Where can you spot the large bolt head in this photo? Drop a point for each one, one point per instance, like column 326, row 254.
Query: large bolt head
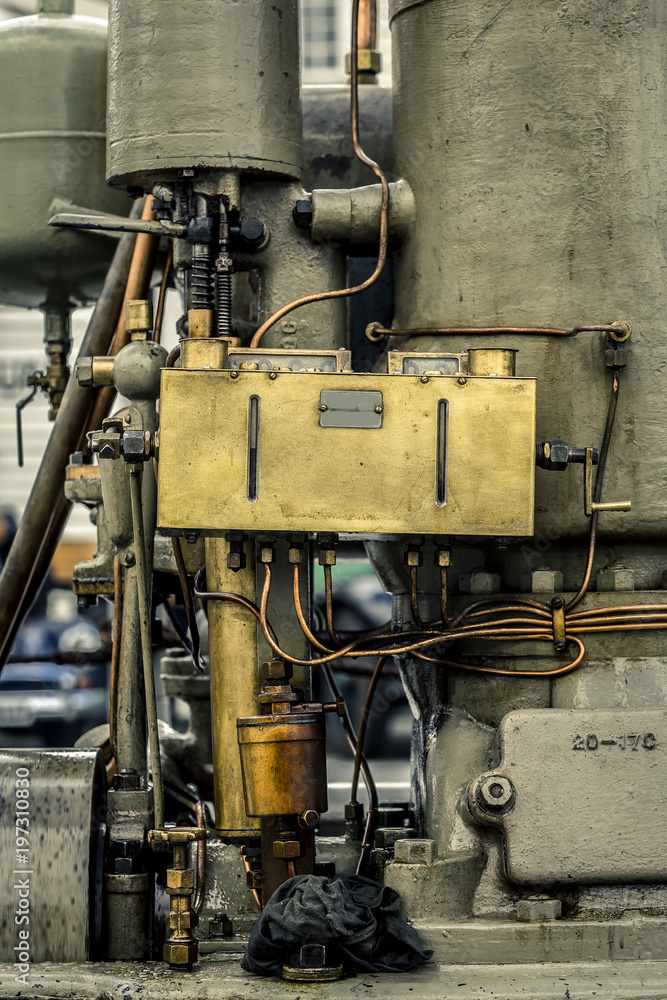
column 84, row 371
column 542, row 580
column 415, row 852
column 494, row 792
column 479, row 581
column 537, row 909
column 180, row 954
column 616, row 578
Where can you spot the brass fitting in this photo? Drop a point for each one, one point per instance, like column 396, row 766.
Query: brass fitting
column 327, row 557
column 180, row 949
column 442, row 557
column 413, row 556
column 139, row 318
column 286, row 849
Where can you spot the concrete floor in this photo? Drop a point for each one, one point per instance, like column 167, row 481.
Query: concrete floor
column 221, row 978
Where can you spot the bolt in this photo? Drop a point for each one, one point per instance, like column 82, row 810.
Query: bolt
column 542, row 580
column 494, row 792
column 415, row 852
column 252, row 233
column 479, row 581
column 302, row 213
column 80, row 458
column 424, row 378
column 273, row 375
column 461, row 381
column 323, row 407
column 616, row 577
column 537, row 909
column 379, row 409
column 233, row 374
column 386, row 836
column 312, row 956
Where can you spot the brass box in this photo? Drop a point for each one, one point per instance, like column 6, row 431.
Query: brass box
column 399, row 454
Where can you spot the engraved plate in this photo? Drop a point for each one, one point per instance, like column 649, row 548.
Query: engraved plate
column 351, row 408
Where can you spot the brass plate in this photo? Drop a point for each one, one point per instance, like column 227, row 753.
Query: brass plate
column 368, row 481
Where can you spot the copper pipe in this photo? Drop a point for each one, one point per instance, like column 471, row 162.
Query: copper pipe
column 291, row 867
column 414, row 600
column 363, row 725
column 46, row 511
column 443, row 596
column 138, row 285
column 198, row 899
column 159, row 315
column 188, row 602
column 173, row 356
column 597, row 492
column 384, row 205
column 255, row 894
column 512, row 673
column 328, row 601
column 222, row 595
column 367, row 27
column 376, row 332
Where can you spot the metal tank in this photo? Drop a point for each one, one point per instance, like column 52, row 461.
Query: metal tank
column 52, row 145
column 225, row 76
column 528, row 135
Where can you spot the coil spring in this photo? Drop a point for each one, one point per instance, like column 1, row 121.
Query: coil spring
column 201, row 277
column 224, row 303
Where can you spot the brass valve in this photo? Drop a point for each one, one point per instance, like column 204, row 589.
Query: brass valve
column 180, row 948
column 590, row 506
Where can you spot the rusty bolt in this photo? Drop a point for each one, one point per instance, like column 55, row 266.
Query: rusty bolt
column 415, row 852
column 494, row 792
column 286, row 849
column 537, row 909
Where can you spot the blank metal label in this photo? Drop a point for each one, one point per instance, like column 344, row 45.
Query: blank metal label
column 351, row 408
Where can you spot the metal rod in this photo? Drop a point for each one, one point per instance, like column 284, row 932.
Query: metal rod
column 146, row 643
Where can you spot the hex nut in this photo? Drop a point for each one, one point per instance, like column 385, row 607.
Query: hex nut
column 296, row 555
column 616, row 578
column 536, row 909
column 286, row 849
column 413, row 557
column 442, row 557
column 183, row 920
column 479, row 581
column 542, row 580
column 327, row 557
column 387, row 836
column 415, row 852
column 303, row 213
column 180, row 954
column 181, row 881
column 494, row 792
column 84, row 371
column 266, row 554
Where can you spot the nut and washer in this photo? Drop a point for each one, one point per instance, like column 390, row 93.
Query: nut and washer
column 494, row 792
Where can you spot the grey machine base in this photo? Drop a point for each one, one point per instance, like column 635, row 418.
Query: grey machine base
column 221, row 978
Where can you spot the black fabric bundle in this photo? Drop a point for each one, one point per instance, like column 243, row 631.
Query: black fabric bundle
column 356, row 918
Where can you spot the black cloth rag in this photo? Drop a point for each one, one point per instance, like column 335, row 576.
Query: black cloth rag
column 356, row 919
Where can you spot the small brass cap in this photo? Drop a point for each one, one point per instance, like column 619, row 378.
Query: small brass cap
column 139, row 318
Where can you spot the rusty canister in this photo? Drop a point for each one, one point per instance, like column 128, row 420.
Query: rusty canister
column 283, row 762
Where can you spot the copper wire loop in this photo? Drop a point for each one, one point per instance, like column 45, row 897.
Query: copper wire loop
column 384, row 205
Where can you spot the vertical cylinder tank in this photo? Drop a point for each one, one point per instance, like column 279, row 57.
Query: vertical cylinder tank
column 535, row 157
column 52, row 144
column 204, row 84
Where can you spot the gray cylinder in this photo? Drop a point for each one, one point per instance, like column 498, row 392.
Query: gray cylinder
column 52, row 125
column 202, row 83
column 532, row 135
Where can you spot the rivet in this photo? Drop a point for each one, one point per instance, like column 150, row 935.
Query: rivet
column 233, row 374
column 379, row 409
column 424, row 378
column 323, row 407
column 273, row 375
column 461, row 381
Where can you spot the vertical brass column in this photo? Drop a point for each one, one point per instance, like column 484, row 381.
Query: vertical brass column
column 234, row 682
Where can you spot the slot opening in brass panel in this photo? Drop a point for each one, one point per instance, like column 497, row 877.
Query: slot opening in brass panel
column 441, row 455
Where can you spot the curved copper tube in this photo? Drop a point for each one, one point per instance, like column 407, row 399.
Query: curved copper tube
column 384, row 205
column 363, row 725
column 198, row 898
column 255, row 894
